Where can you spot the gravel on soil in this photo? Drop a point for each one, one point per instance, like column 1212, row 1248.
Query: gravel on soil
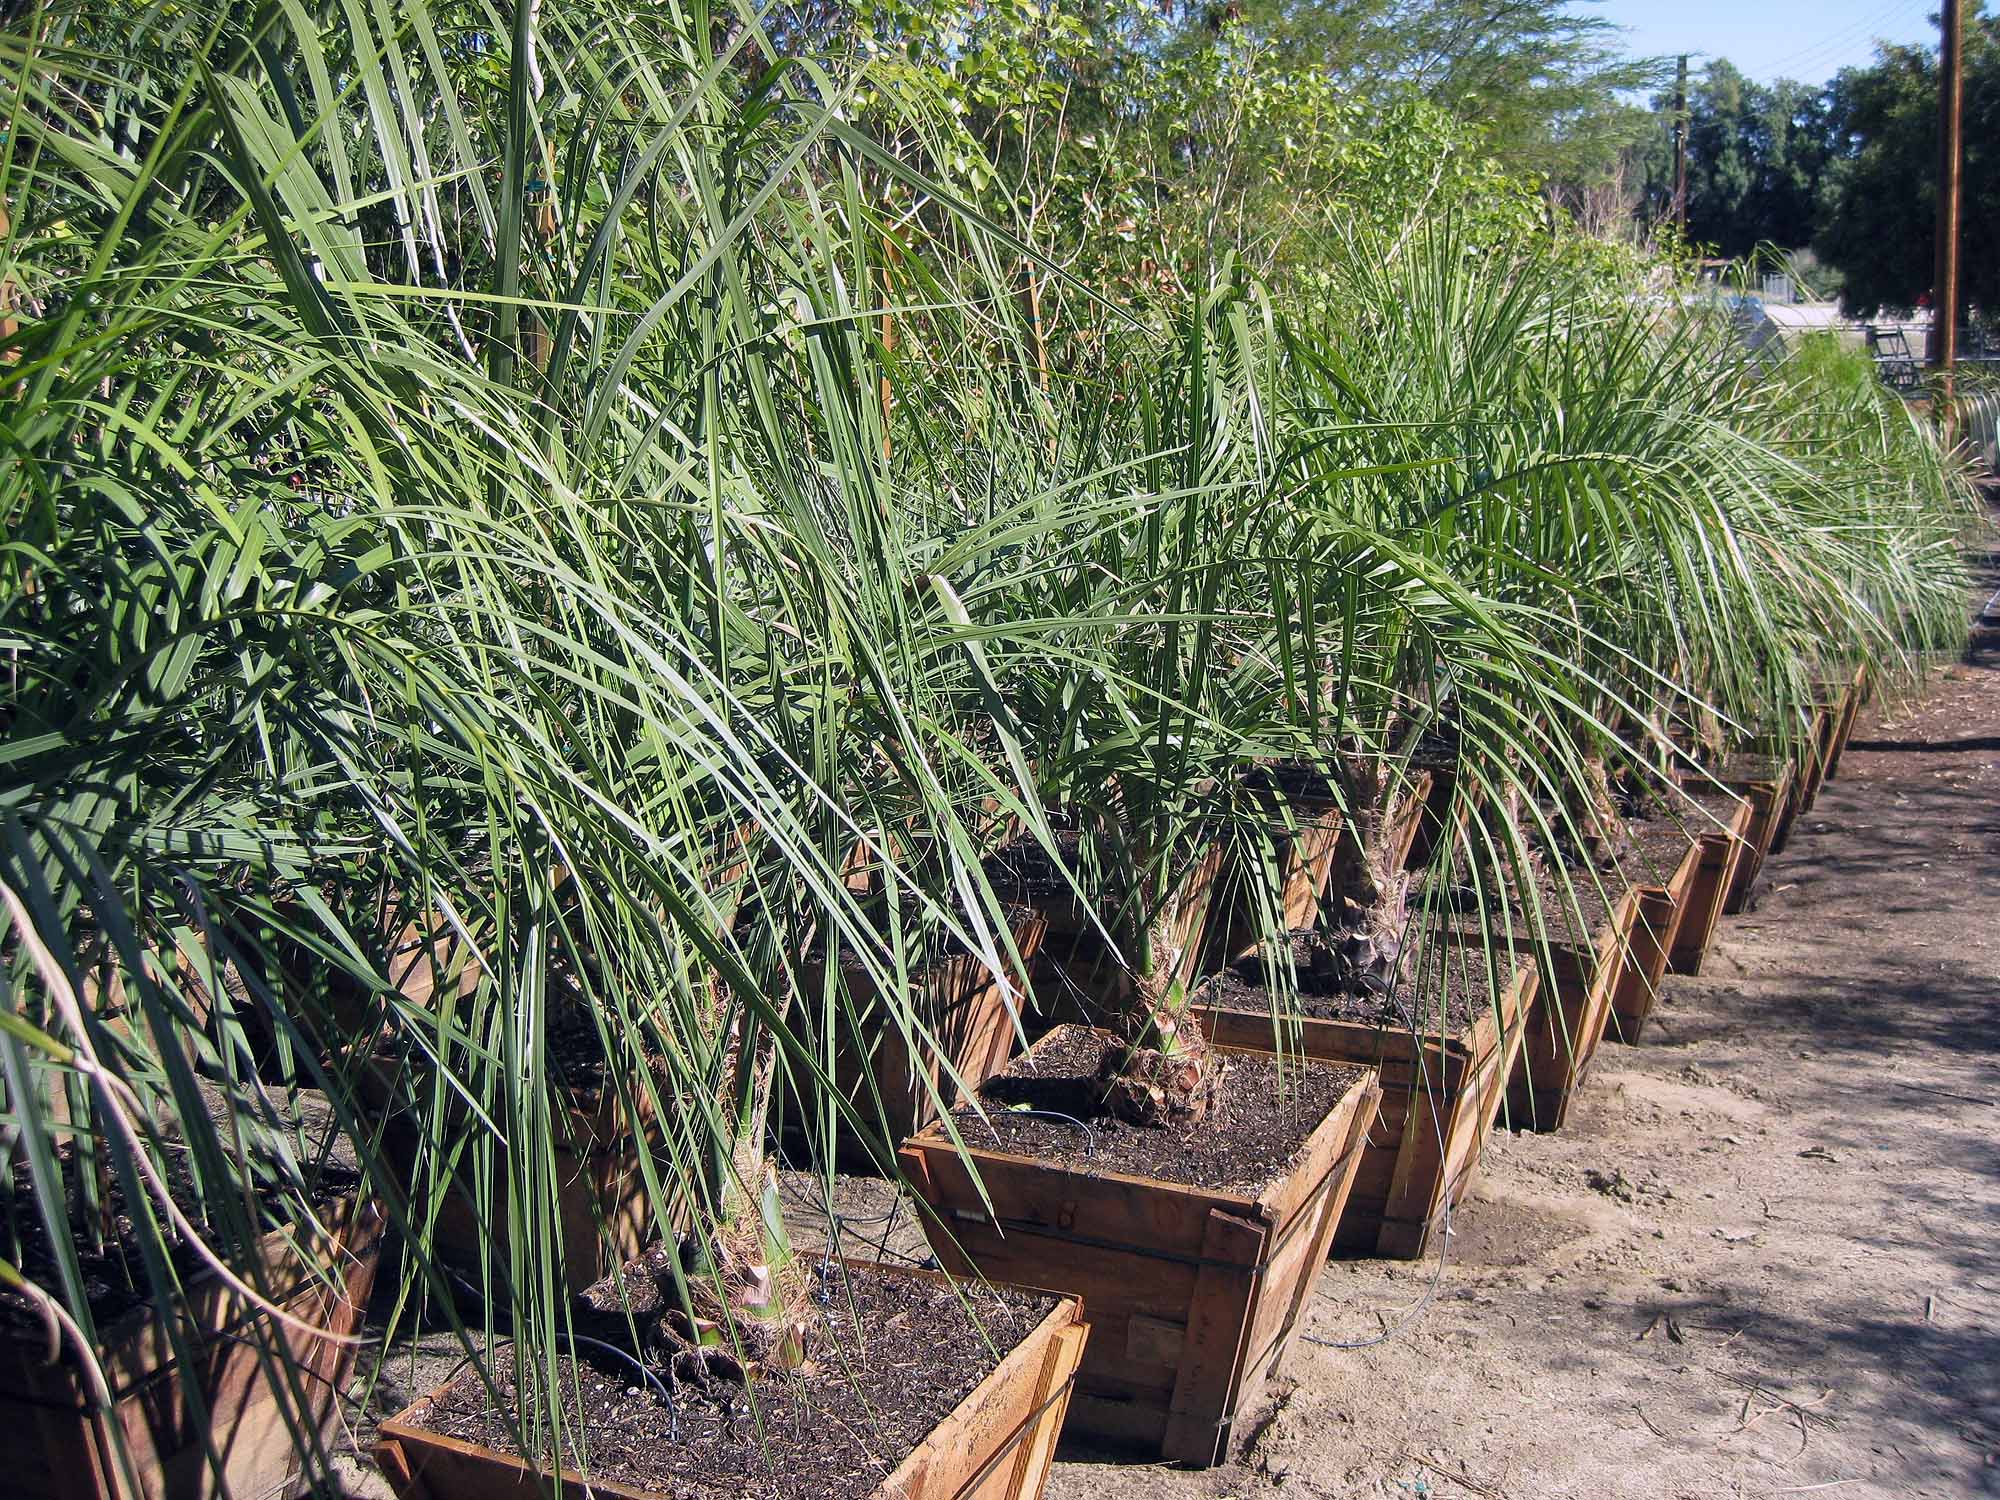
column 1248, row 1141
column 908, row 1351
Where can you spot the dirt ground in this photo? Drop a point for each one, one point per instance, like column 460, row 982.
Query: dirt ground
column 1764, row 1258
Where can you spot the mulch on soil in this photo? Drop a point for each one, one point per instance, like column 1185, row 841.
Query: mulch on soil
column 1249, row 1141
column 908, row 1352
column 1446, row 990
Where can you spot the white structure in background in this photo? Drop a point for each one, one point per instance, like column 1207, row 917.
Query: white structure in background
column 1773, row 321
column 1765, row 321
column 1980, row 412
column 1776, row 323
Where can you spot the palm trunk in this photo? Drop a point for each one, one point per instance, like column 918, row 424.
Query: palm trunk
column 1595, row 822
column 1163, row 1073
column 1368, row 893
column 729, row 1298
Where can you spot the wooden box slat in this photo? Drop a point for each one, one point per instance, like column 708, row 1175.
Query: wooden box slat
column 1192, row 1295
column 1770, row 802
column 58, row 1444
column 1567, row 1022
column 1440, row 1097
column 1658, row 911
column 1850, row 708
column 973, row 1027
column 1819, row 745
column 1721, row 853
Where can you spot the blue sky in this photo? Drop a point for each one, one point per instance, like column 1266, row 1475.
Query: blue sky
column 1809, row 40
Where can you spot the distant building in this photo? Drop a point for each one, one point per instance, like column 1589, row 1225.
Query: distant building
column 1765, row 321
column 1772, row 323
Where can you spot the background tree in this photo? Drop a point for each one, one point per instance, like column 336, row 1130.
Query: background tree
column 1545, row 79
column 1756, row 156
column 1879, row 203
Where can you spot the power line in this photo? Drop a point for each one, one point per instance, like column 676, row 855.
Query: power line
column 1836, row 41
column 1832, row 44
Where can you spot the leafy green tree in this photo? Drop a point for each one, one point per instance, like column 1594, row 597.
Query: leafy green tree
column 1544, row 78
column 1134, row 150
column 1880, row 203
column 1757, row 154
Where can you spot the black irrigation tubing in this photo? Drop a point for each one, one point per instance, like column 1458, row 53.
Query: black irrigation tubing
column 673, row 1412
column 573, row 1339
column 1089, row 1135
column 1411, row 1314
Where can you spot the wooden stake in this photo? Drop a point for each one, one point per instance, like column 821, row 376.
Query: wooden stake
column 890, row 256
column 1681, row 145
column 1944, row 293
column 1036, row 331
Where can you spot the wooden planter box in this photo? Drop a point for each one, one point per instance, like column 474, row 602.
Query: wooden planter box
column 1433, row 822
column 1440, row 1097
column 1191, row 1295
column 1658, row 911
column 1304, row 854
column 1819, row 746
column 965, row 1006
column 1719, row 853
column 1851, row 699
column 1802, row 757
column 1769, row 793
column 604, row 1211
column 1308, row 855
column 258, row 1414
column 997, row 1444
column 1406, row 823
column 596, row 1157
column 330, row 1011
column 1572, row 1007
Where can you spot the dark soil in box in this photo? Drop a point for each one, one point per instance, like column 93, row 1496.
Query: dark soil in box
column 1752, row 767
column 1023, row 871
column 574, row 1047
column 1249, row 1140
column 1658, row 846
column 899, row 1355
column 924, row 944
column 114, row 1272
column 1292, row 778
column 1559, row 904
column 1445, row 991
column 1718, row 802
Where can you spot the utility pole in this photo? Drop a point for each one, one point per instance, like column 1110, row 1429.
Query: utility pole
column 1681, row 145
column 1944, row 290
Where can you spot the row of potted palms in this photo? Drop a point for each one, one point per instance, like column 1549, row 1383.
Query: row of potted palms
column 520, row 690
